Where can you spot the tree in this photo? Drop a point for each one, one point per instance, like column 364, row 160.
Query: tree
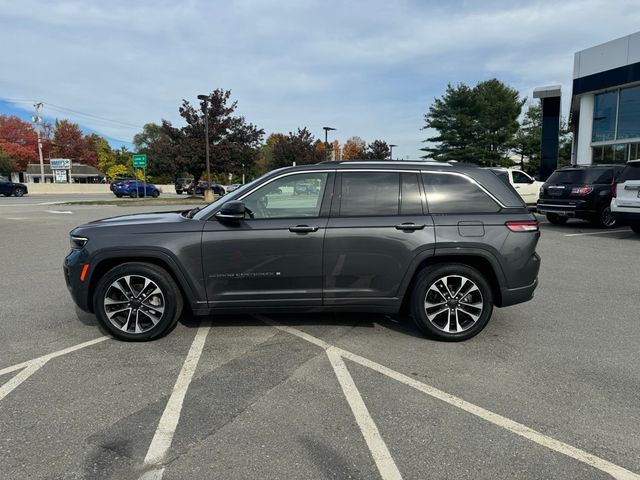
column 299, row 147
column 118, row 171
column 474, row 124
column 232, row 141
column 18, row 141
column 7, row 165
column 377, row 150
column 353, row 149
column 106, row 158
column 68, row 141
column 156, row 144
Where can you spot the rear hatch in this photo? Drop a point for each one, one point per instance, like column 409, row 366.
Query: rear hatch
column 628, row 186
column 574, row 183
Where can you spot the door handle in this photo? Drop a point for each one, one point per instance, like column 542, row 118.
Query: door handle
column 303, row 229
column 409, row 227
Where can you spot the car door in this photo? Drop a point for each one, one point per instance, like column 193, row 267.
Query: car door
column 525, row 186
column 377, row 229
column 274, row 255
column 4, row 186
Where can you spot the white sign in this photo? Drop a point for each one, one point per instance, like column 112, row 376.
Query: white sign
column 60, row 164
column 61, row 176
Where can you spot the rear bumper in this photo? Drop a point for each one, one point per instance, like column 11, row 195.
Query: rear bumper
column 577, row 209
column 513, row 296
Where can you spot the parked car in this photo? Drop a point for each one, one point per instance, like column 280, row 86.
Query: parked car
column 625, row 202
column 582, row 191
column 526, row 186
column 182, row 184
column 8, row 188
column 445, row 243
column 119, row 181
column 135, row 189
column 202, row 186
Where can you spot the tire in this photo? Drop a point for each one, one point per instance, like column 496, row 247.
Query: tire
column 604, row 219
column 133, row 194
column 119, row 195
column 18, row 192
column 154, row 316
column 7, row 194
column 556, row 219
column 155, row 194
column 436, row 320
column 635, row 227
column 179, row 192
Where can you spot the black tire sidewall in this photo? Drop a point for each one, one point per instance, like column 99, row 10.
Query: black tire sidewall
column 598, row 220
column 18, row 192
column 133, row 194
column 171, row 292
column 427, row 277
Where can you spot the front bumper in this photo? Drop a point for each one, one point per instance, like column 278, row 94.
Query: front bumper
column 72, row 269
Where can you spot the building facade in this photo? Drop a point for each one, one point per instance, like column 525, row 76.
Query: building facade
column 605, row 102
column 78, row 173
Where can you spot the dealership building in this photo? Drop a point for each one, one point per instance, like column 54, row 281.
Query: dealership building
column 605, row 102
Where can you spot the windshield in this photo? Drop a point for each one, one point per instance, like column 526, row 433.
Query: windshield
column 206, row 211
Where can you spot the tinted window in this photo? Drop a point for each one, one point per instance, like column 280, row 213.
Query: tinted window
column 582, row 176
column 604, row 116
column 631, row 172
column 411, row 203
column 368, row 194
column 456, row 194
column 629, row 114
column 519, row 177
column 292, row 196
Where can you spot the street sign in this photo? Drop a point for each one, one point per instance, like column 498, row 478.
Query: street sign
column 60, row 164
column 61, row 176
column 140, row 161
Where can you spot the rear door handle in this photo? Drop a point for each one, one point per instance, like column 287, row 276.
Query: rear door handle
column 303, row 229
column 409, row 226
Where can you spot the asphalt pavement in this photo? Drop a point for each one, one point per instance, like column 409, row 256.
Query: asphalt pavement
column 550, row 389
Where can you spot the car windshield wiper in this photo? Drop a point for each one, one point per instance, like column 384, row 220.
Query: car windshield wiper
column 192, row 212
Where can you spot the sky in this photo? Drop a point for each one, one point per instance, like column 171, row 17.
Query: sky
column 367, row 68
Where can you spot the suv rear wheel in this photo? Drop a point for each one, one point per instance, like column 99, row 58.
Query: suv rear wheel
column 556, row 219
column 451, row 302
column 604, row 218
column 137, row 301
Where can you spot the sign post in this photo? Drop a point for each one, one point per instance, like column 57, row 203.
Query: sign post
column 140, row 161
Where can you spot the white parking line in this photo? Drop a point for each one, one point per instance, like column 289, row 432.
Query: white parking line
column 379, row 451
column 622, row 230
column 32, row 366
column 612, row 469
column 169, row 421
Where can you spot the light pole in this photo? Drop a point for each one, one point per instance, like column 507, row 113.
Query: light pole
column 208, row 194
column 326, row 140
column 391, row 151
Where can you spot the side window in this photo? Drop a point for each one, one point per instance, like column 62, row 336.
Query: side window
column 292, row 196
column 369, row 194
column 605, row 178
column 519, row 177
column 454, row 194
column 411, row 198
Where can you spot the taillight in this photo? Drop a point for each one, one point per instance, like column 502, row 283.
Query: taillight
column 614, row 188
column 523, row 226
column 581, row 191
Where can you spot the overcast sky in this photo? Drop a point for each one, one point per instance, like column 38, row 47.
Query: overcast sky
column 367, row 68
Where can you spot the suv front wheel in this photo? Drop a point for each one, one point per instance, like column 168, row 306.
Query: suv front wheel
column 137, row 301
column 451, row 302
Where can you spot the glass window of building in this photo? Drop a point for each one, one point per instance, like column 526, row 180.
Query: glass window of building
column 604, row 116
column 629, row 113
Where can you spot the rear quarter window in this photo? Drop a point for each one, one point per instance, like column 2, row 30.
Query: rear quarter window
column 456, row 194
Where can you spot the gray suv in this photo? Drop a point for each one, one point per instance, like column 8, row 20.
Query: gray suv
column 443, row 243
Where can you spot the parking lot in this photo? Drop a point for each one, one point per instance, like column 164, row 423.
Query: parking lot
column 550, row 389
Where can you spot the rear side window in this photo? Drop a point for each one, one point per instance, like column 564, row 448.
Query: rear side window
column 369, row 194
column 600, row 177
column 454, row 194
column 631, row 172
column 567, row 176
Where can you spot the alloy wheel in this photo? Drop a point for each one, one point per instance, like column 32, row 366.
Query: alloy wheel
column 607, row 217
column 453, row 304
column 134, row 304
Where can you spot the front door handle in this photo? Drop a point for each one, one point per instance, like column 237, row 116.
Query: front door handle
column 409, row 227
column 303, row 229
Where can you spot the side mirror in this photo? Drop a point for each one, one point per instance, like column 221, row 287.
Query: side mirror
column 232, row 210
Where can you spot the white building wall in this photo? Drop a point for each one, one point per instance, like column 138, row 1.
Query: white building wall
column 585, row 127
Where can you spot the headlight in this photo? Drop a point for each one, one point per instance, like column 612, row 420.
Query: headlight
column 78, row 243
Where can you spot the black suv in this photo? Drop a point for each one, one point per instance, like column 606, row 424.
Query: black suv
column 8, row 188
column 445, row 243
column 580, row 192
column 182, row 184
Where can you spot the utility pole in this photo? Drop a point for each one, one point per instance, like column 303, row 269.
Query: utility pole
column 391, row 151
column 208, row 194
column 326, row 141
column 37, row 120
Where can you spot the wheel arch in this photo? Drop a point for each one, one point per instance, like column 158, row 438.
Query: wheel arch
column 480, row 261
column 106, row 262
